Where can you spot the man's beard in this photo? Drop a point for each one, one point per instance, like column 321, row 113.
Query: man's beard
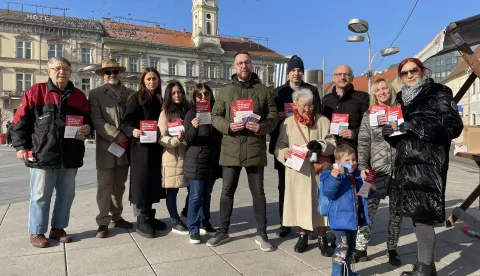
column 113, row 82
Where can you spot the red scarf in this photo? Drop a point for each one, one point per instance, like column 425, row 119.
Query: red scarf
column 308, row 120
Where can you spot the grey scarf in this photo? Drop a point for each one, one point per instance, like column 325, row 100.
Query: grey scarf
column 409, row 93
column 117, row 90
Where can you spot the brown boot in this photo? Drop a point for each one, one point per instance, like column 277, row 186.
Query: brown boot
column 39, row 241
column 102, row 232
column 59, row 235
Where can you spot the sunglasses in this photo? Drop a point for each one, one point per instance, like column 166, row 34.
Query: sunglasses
column 203, row 95
column 413, row 71
column 112, row 72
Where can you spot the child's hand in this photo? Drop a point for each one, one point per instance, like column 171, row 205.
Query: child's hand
column 373, row 187
column 335, row 173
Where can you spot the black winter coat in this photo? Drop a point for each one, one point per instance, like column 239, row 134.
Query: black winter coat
column 202, row 154
column 283, row 95
column 422, row 162
column 145, row 159
column 355, row 103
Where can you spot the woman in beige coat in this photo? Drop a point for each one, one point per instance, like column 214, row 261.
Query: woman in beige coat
column 301, row 204
column 175, row 106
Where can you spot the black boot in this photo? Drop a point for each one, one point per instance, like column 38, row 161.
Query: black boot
column 323, row 246
column 155, row 223
column 283, row 231
column 302, row 244
column 394, row 258
column 359, row 256
column 144, row 229
column 421, row 269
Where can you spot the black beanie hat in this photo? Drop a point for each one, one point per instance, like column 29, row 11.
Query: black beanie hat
column 295, row 62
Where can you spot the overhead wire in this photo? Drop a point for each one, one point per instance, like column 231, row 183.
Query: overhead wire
column 404, row 24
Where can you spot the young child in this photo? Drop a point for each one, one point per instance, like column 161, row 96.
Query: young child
column 346, row 210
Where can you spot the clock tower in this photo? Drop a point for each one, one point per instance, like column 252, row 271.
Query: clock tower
column 205, row 22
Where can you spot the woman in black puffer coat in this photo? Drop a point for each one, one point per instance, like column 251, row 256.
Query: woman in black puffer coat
column 201, row 166
column 431, row 122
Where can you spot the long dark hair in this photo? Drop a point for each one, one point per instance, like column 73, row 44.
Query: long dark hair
column 144, row 95
column 199, row 88
column 171, row 109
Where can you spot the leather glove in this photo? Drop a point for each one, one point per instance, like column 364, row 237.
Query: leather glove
column 410, row 128
column 387, row 130
column 314, row 146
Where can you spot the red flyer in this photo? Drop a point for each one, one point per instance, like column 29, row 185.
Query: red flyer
column 233, row 108
column 339, row 122
column 175, row 127
column 72, row 124
column 288, row 109
column 377, row 111
column 297, row 157
column 244, row 108
column 149, row 129
column 203, row 112
column 395, row 118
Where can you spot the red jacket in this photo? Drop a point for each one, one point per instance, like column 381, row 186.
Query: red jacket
column 39, row 125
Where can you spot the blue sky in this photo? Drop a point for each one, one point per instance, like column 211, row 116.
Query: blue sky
column 311, row 29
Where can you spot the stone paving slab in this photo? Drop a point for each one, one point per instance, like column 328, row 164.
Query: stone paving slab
column 127, row 253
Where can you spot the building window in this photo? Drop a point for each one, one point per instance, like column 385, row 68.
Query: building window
column 190, row 65
column 443, row 74
column 86, row 55
column 118, row 59
column 190, row 91
column 133, row 86
column 133, row 64
column 209, row 28
column 437, row 75
column 24, row 49
column 209, row 71
column 24, row 82
column 86, row 85
column 454, row 60
column 154, row 63
column 55, row 50
column 172, row 67
column 227, row 71
column 270, row 76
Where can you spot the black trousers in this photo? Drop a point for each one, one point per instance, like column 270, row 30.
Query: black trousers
column 281, row 190
column 255, row 177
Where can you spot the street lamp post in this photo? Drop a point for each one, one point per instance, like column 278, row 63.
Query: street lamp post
column 360, row 26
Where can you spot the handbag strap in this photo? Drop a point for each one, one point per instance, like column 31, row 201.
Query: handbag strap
column 301, row 132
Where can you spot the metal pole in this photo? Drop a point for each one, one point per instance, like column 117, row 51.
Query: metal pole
column 369, row 74
column 323, row 77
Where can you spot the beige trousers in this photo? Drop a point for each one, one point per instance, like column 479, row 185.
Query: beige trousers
column 110, row 189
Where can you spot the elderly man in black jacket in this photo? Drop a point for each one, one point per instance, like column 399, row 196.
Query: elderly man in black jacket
column 344, row 99
column 283, row 95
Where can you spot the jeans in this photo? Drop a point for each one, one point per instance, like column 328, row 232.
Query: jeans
column 42, row 184
column 172, row 205
column 281, row 191
column 230, row 183
column 199, row 204
column 345, row 240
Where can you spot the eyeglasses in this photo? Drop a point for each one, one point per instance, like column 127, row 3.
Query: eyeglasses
column 203, row 95
column 112, row 72
column 246, row 63
column 342, row 75
column 306, row 107
column 57, row 69
column 413, row 71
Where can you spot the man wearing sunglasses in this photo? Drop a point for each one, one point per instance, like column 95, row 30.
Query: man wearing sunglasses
column 108, row 104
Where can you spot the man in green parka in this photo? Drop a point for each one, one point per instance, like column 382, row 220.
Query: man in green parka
column 244, row 145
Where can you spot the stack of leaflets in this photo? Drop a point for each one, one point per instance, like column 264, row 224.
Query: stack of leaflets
column 244, row 112
column 339, row 122
column 288, row 109
column 149, row 129
column 175, row 128
column 297, row 157
column 377, row 111
column 203, row 110
column 395, row 118
column 72, row 125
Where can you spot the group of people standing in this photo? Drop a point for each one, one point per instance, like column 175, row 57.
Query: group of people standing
column 410, row 168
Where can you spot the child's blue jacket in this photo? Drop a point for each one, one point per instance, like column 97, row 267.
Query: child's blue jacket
column 336, row 199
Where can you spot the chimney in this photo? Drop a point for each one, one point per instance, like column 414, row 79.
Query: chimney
column 106, row 20
column 244, row 39
column 156, row 26
column 184, row 30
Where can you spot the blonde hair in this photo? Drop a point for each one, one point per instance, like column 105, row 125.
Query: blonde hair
column 341, row 150
column 393, row 93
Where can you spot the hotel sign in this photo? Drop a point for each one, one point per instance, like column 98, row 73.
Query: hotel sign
column 39, row 17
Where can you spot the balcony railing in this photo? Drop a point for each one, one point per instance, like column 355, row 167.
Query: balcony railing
column 12, row 93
